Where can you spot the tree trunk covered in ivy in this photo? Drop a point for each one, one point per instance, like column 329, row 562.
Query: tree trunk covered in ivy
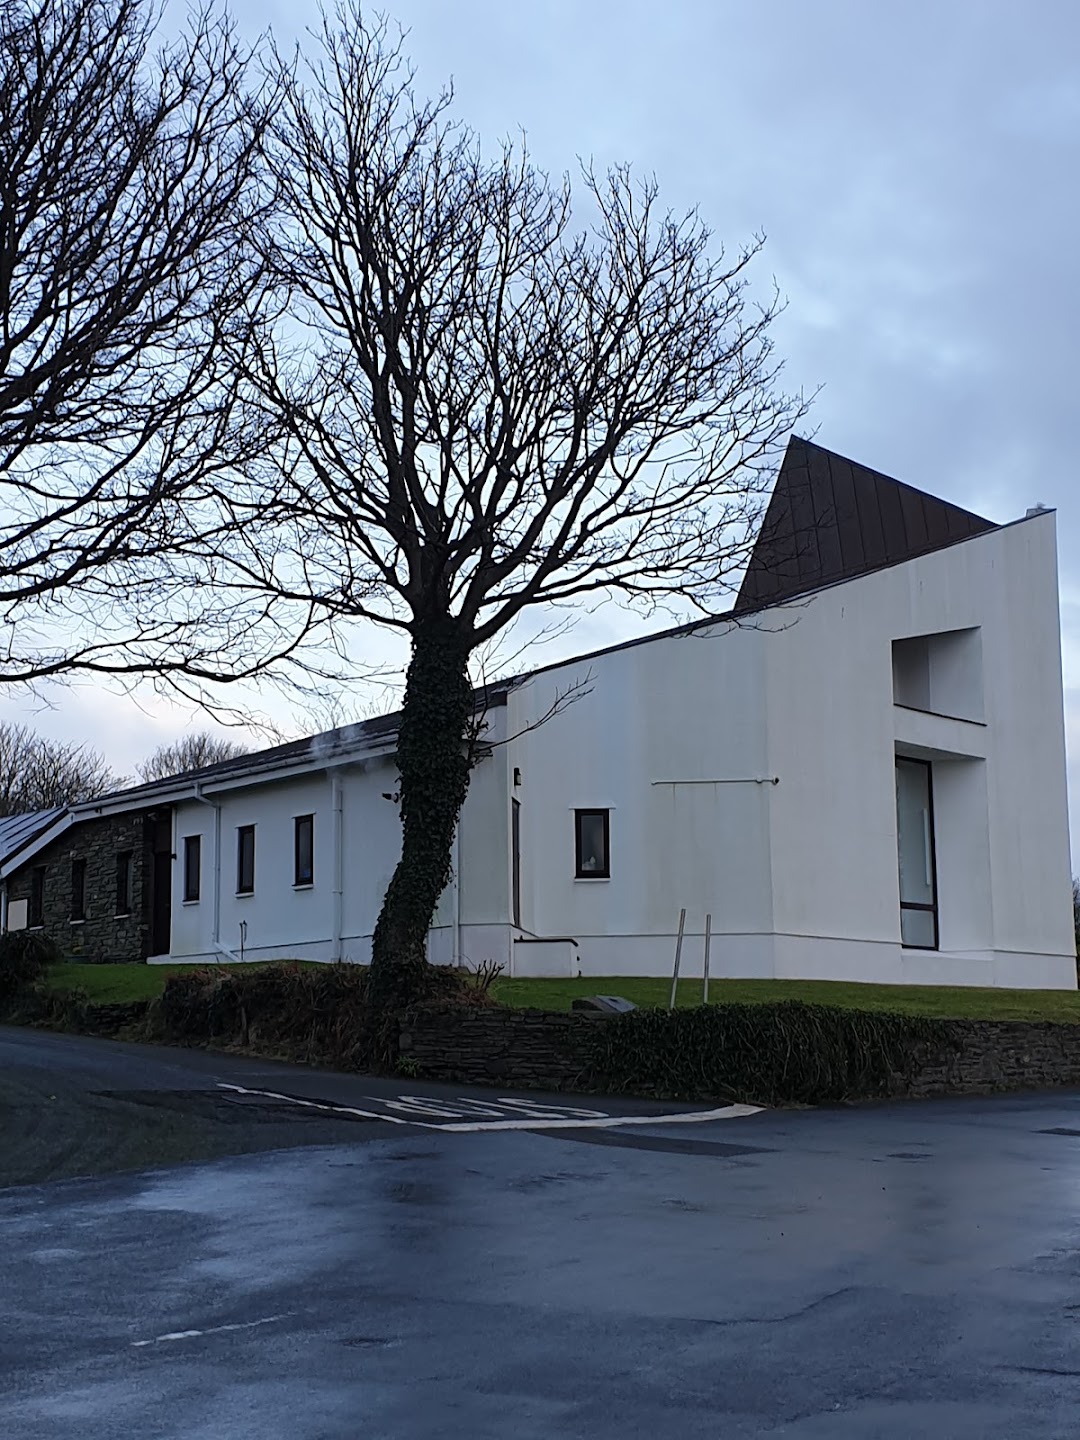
column 433, row 766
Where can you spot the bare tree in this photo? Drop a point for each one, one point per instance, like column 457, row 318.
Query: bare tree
column 128, row 191
column 191, row 752
column 496, row 393
column 40, row 774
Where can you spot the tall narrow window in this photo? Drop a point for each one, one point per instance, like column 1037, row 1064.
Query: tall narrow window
column 515, row 859
column 125, row 875
column 192, row 867
column 304, row 850
column 36, row 915
column 245, row 860
column 591, row 837
column 915, row 845
column 78, row 889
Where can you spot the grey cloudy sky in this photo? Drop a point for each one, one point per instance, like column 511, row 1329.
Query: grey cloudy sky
column 914, row 166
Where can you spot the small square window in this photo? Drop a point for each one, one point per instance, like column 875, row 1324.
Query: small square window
column 591, row 844
column 245, row 860
column 192, row 867
column 125, row 875
column 304, row 850
column 78, row 889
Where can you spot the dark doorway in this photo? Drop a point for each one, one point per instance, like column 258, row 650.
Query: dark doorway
column 515, row 859
column 161, row 858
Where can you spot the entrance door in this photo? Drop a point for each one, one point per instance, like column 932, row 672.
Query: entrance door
column 915, row 838
column 161, row 884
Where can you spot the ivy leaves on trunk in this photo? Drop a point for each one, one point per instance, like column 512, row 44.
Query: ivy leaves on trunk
column 490, row 391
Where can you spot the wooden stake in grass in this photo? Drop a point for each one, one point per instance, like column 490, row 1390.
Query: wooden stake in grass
column 678, row 957
column 708, row 938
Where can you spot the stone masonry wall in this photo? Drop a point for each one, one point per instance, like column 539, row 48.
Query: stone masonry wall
column 533, row 1049
column 102, row 935
column 521, row 1049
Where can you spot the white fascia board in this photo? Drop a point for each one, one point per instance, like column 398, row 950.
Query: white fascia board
column 189, row 790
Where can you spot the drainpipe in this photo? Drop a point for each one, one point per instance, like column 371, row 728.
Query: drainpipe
column 3, row 908
column 337, row 897
column 215, row 938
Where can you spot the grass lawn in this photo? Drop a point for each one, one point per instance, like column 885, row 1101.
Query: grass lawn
column 106, row 983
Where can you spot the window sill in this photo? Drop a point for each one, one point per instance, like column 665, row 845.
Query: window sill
column 80, row 921
column 307, row 885
column 122, row 915
column 244, row 894
column 189, row 902
column 590, row 879
column 940, row 714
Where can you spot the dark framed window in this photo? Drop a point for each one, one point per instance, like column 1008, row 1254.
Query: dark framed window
column 592, row 847
column 192, row 867
column 36, row 910
column 515, row 859
column 125, row 877
column 245, row 860
column 915, row 853
column 304, row 850
column 78, row 889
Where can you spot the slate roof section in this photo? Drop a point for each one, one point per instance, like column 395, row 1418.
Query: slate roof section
column 19, row 830
column 830, row 519
column 326, row 746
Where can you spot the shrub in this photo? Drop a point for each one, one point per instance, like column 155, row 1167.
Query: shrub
column 783, row 1053
column 25, row 956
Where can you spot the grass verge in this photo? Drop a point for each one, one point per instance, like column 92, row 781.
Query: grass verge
column 106, row 984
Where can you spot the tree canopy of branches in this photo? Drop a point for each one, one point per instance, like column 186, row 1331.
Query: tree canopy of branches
column 494, row 392
column 191, row 752
column 128, row 190
column 40, row 774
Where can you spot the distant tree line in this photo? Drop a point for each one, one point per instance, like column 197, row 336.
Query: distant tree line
column 41, row 774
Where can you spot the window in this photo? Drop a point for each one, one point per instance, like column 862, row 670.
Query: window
column 941, row 673
column 78, row 889
column 591, row 835
column 245, row 860
column 915, row 845
column 125, row 875
column 37, row 897
column 515, row 859
column 192, row 867
column 304, row 850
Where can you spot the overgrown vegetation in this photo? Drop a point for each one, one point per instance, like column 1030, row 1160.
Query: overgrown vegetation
column 25, row 958
column 786, row 1053
column 313, row 1013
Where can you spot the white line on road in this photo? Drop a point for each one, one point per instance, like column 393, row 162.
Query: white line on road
column 210, row 1330
column 536, row 1116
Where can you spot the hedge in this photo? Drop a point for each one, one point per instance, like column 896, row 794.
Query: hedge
column 782, row 1053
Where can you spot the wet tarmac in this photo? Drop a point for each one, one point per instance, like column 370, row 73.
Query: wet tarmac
column 897, row 1271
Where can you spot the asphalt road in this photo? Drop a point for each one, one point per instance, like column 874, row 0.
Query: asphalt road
column 896, row 1271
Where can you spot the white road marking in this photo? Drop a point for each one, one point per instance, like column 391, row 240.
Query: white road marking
column 697, row 1117
column 318, row 1105
column 210, row 1330
column 535, row 1116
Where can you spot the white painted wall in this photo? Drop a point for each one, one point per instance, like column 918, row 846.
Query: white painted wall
column 801, row 877
column 679, row 738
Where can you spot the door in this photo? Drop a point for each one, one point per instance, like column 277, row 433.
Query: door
column 161, row 884
column 515, row 860
column 915, row 843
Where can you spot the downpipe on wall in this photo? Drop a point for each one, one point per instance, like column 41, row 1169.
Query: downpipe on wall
column 215, row 938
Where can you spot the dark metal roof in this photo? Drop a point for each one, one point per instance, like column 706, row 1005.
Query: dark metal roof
column 18, row 830
column 326, row 746
column 831, row 519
